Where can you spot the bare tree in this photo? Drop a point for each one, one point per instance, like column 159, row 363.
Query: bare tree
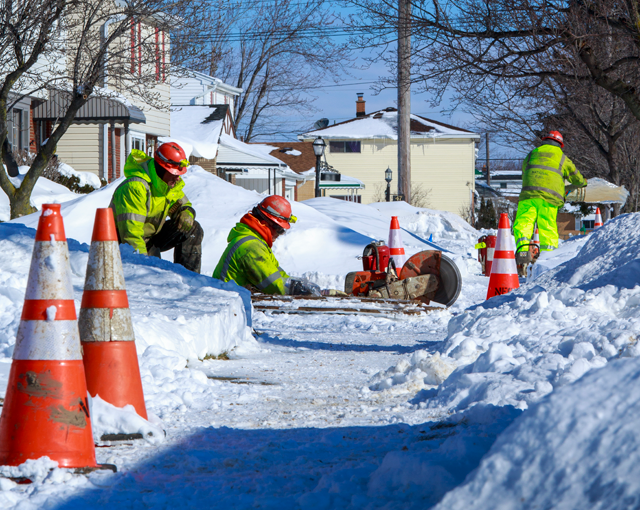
column 475, row 47
column 276, row 53
column 80, row 49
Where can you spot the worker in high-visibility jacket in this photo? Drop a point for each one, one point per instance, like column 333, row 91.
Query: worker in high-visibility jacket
column 151, row 193
column 544, row 171
column 248, row 259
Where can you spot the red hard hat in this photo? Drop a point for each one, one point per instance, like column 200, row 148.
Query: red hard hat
column 278, row 210
column 556, row 136
column 172, row 158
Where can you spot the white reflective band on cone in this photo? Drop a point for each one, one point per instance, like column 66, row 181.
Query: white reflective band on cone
column 47, row 340
column 104, row 267
column 395, row 242
column 505, row 241
column 50, row 272
column 504, row 266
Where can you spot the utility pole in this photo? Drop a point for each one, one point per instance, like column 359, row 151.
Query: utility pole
column 488, row 172
column 404, row 99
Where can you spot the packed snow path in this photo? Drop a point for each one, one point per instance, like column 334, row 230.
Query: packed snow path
column 291, row 424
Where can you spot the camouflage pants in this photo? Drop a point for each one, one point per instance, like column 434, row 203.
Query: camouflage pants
column 187, row 247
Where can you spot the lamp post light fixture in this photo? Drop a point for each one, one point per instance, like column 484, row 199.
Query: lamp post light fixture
column 318, row 149
column 388, row 176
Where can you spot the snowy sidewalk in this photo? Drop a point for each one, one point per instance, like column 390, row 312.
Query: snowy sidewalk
column 292, row 424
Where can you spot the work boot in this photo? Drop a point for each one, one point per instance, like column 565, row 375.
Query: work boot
column 523, row 259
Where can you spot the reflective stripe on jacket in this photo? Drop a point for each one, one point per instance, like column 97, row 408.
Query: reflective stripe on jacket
column 143, row 201
column 543, row 173
column 248, row 260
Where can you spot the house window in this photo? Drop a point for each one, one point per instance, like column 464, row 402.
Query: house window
column 16, row 129
column 344, row 146
column 503, row 185
column 588, row 224
column 138, row 141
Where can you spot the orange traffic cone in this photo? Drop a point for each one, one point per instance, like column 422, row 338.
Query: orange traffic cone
column 396, row 247
column 598, row 222
column 504, row 272
column 46, row 411
column 536, row 238
column 106, row 331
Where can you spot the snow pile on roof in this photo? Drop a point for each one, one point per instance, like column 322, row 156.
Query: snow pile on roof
column 384, row 124
column 85, row 178
column 256, row 150
column 579, row 448
column 515, row 349
column 191, row 129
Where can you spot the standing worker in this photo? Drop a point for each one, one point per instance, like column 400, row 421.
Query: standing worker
column 248, row 259
column 544, row 171
column 151, row 192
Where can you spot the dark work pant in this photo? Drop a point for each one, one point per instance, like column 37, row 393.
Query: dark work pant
column 187, row 248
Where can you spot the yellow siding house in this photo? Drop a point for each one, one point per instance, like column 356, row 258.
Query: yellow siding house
column 442, row 156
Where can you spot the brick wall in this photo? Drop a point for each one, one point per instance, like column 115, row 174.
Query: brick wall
column 208, row 164
column 110, row 173
column 306, row 191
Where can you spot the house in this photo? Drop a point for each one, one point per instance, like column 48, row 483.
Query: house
column 110, row 125
column 299, row 156
column 442, row 156
column 195, row 88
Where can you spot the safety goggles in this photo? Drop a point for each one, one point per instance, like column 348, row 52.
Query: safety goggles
column 182, row 164
column 272, row 212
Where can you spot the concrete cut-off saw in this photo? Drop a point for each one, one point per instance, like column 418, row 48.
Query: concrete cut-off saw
column 426, row 276
column 380, row 289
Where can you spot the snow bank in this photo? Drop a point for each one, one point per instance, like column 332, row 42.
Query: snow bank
column 188, row 314
column 578, row 448
column 109, row 419
column 515, row 349
column 44, row 192
column 315, row 244
column 85, row 178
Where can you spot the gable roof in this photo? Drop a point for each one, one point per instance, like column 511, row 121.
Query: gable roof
column 384, row 124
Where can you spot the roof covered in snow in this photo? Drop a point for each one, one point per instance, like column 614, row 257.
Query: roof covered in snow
column 233, row 152
column 384, row 124
column 298, row 156
column 197, row 129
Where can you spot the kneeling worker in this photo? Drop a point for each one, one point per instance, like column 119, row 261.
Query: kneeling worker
column 248, row 259
column 151, row 192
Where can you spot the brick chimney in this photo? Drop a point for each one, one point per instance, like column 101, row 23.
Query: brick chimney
column 360, row 105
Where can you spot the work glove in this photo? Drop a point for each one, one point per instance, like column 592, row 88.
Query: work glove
column 333, row 292
column 301, row 287
column 185, row 221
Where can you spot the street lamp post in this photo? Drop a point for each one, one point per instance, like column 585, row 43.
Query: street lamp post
column 318, row 149
column 388, row 175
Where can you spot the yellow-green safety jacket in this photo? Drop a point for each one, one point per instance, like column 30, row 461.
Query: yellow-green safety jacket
column 143, row 201
column 543, row 173
column 248, row 260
